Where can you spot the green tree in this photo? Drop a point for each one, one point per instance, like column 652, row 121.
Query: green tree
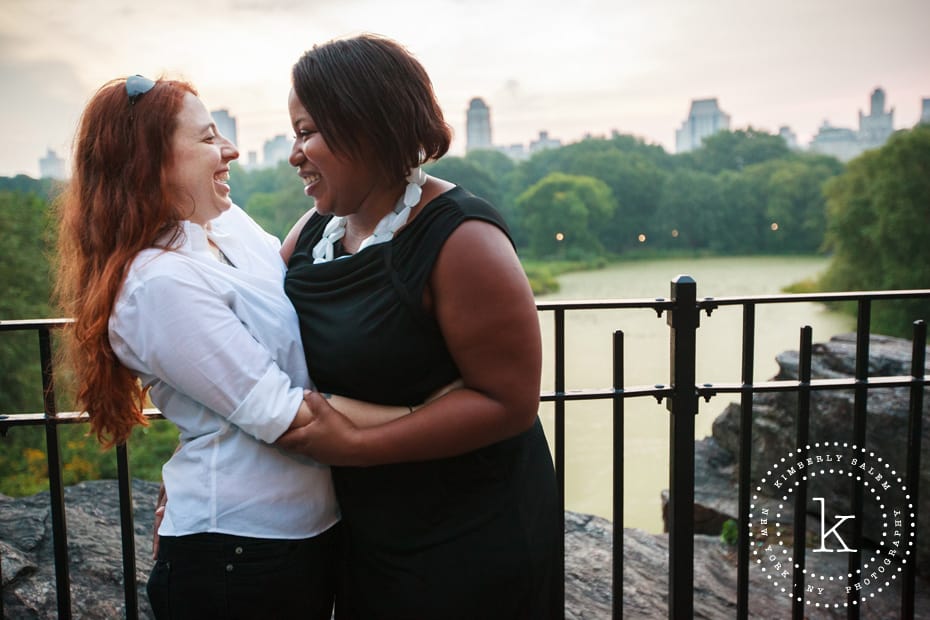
column 24, row 278
column 494, row 163
column 687, row 213
column 878, row 218
column 23, row 184
column 569, row 157
column 651, row 152
column 561, row 213
column 743, row 201
column 796, row 206
column 635, row 181
column 632, row 169
column 272, row 196
column 245, row 182
column 469, row 174
column 734, row 150
column 278, row 211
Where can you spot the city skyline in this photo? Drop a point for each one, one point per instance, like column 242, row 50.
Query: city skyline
column 591, row 68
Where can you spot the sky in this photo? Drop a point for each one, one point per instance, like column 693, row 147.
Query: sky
column 584, row 67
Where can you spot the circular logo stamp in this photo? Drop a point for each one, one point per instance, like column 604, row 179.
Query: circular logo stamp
column 831, row 471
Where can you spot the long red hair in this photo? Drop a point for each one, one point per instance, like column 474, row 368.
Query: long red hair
column 116, row 204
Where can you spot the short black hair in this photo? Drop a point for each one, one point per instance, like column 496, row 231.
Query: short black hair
column 371, row 99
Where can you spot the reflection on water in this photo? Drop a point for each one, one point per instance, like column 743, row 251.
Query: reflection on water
column 588, row 353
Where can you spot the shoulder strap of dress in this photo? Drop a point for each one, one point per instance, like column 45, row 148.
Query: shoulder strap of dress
column 457, row 205
column 416, row 252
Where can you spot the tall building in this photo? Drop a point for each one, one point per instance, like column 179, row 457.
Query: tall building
column 840, row 142
column 276, row 150
column 924, row 111
column 226, row 125
column 845, row 144
column 478, row 126
column 878, row 125
column 544, row 142
column 478, row 134
column 51, row 166
column 515, row 151
column 705, row 119
column 790, row 138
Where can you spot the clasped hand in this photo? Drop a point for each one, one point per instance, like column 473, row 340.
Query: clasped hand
column 329, row 437
column 337, row 426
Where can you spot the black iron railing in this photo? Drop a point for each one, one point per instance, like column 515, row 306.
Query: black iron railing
column 681, row 394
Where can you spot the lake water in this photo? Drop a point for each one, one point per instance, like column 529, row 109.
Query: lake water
column 588, row 466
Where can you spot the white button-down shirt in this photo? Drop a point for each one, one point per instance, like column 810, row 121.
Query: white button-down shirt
column 220, row 347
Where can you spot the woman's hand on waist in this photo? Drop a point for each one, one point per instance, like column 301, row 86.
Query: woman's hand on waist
column 328, row 437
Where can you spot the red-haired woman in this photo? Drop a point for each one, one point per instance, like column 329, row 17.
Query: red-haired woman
column 178, row 295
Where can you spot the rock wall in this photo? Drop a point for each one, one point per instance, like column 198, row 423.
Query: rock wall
column 831, row 420
column 92, row 516
column 96, row 565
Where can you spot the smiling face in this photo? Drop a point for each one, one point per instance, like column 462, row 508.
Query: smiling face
column 337, row 184
column 199, row 170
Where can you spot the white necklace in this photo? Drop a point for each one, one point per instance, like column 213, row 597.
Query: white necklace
column 384, row 231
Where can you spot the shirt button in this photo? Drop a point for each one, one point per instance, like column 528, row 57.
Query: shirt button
column 229, row 568
column 238, row 550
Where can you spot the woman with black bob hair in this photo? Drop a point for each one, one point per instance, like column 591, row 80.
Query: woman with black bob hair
column 404, row 282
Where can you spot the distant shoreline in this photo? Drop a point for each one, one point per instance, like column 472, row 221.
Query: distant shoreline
column 543, row 274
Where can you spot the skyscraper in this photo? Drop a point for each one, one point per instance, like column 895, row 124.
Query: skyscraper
column 226, row 124
column 544, row 142
column 478, row 126
column 276, row 150
column 876, row 126
column 874, row 130
column 790, row 138
column 840, row 142
column 705, row 119
column 51, row 166
column 925, row 111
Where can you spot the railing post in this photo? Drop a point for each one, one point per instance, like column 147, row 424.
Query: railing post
column 914, row 433
column 617, row 580
column 127, row 531
column 745, row 458
column 683, row 320
column 860, row 411
column 55, row 484
column 560, row 431
column 802, row 436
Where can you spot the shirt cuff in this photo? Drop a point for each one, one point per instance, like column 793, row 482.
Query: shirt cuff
column 270, row 407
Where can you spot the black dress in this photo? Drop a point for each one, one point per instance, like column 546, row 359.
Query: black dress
column 473, row 536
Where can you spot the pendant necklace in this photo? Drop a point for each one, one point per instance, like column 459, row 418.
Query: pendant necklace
column 336, row 227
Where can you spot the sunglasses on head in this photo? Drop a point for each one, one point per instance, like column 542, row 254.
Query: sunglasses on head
column 136, row 86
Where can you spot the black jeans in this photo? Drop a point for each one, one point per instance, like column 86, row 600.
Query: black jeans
column 223, row 577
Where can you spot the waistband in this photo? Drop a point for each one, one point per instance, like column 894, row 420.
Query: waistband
column 231, row 545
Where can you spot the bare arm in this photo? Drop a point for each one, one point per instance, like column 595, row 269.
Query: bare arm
column 360, row 413
column 287, row 246
column 364, row 414
column 488, row 319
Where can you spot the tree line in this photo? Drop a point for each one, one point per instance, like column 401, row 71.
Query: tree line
column 742, row 192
